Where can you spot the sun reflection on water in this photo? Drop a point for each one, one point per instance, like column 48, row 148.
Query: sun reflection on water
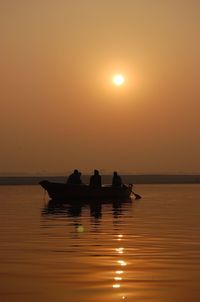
column 122, row 262
column 118, row 278
column 119, row 273
column 120, row 250
column 116, row 285
column 120, row 237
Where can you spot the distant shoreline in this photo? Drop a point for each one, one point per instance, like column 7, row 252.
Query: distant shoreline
column 135, row 179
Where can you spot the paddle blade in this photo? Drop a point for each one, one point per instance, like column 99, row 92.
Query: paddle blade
column 137, row 196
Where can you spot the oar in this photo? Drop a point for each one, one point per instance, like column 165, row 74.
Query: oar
column 137, row 196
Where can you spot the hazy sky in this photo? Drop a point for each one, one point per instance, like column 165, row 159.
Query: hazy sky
column 59, row 108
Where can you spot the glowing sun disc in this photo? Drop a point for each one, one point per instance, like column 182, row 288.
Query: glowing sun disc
column 118, row 79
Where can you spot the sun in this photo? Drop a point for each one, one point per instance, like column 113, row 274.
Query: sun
column 118, row 79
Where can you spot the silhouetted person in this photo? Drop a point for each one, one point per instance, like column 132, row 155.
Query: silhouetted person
column 74, row 178
column 116, row 180
column 95, row 180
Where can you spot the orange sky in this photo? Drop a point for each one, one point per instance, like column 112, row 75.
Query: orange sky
column 59, row 110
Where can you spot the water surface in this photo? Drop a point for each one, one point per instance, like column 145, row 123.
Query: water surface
column 144, row 250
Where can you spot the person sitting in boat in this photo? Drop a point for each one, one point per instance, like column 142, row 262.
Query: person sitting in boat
column 74, row 178
column 95, row 180
column 116, row 180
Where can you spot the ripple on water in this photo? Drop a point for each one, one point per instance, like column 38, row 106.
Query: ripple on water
column 146, row 250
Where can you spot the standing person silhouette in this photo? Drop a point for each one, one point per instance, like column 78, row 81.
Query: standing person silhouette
column 95, row 180
column 116, row 180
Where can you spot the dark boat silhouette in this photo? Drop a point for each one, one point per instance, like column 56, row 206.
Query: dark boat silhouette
column 62, row 191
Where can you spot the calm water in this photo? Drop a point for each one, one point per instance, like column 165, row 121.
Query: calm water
column 143, row 250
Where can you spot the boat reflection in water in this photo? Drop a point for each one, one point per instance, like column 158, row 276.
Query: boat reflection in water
column 74, row 208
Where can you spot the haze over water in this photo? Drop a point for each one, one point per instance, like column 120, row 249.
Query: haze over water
column 59, row 107
column 146, row 250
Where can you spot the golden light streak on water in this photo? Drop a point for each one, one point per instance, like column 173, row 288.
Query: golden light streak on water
column 118, row 278
column 120, row 236
column 122, row 262
column 119, row 272
column 41, row 242
column 116, row 285
column 120, row 250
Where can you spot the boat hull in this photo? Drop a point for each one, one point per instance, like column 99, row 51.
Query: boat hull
column 61, row 191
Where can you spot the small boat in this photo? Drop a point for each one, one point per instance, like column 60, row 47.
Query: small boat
column 62, row 191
